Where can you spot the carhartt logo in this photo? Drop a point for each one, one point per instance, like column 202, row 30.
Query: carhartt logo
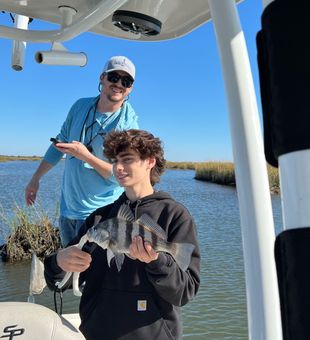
column 141, row 305
column 12, row 332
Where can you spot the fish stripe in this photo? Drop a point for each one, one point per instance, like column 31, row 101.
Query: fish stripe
column 128, row 237
column 154, row 240
column 116, row 230
column 135, row 230
column 141, row 231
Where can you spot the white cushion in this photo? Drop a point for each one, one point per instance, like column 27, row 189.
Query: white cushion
column 29, row 321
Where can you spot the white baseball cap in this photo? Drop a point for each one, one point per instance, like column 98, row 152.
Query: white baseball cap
column 120, row 63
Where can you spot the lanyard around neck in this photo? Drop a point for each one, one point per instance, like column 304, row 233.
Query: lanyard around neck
column 84, row 129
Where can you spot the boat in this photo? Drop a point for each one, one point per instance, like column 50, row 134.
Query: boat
column 270, row 281
column 36, row 322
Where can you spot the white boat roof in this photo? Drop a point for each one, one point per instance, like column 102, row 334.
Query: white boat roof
column 178, row 17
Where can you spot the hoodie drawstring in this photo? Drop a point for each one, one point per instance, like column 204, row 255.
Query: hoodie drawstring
column 137, row 203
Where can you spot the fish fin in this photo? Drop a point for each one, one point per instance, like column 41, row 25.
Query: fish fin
column 75, row 284
column 125, row 213
column 119, row 260
column 147, row 222
column 97, row 219
column 182, row 254
column 110, row 256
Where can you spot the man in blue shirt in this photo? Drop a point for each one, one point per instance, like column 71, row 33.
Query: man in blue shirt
column 88, row 181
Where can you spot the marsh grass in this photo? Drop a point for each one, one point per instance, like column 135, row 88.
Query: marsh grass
column 216, row 172
column 31, row 231
column 181, row 165
column 4, row 158
column 273, row 176
column 224, row 173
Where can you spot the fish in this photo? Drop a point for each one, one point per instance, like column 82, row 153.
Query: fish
column 116, row 234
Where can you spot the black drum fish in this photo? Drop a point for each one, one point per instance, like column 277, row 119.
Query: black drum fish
column 116, row 234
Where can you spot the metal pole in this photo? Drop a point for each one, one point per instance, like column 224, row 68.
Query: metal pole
column 19, row 47
column 294, row 173
column 257, row 226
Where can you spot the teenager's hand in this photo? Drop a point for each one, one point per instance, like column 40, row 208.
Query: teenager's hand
column 142, row 250
column 73, row 259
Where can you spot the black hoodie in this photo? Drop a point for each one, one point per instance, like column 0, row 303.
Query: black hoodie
column 142, row 301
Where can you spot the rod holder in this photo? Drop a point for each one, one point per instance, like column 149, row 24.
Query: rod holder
column 59, row 55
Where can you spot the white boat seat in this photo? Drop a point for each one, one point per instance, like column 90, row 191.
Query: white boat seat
column 34, row 322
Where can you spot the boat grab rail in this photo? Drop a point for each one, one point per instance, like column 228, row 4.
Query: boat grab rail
column 93, row 17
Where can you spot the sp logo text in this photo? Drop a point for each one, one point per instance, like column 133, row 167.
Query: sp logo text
column 10, row 332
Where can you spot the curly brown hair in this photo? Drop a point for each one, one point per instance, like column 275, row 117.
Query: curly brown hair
column 140, row 141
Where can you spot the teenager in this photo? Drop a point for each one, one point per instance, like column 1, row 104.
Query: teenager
column 143, row 299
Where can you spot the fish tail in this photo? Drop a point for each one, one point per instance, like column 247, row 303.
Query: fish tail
column 182, row 253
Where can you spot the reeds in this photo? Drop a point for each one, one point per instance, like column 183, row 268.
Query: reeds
column 216, row 172
column 224, row 173
column 4, row 158
column 181, row 165
column 31, row 231
column 273, row 176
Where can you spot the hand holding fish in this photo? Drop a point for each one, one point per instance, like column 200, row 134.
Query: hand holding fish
column 73, row 259
column 142, row 251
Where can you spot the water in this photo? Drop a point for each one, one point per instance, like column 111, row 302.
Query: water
column 219, row 309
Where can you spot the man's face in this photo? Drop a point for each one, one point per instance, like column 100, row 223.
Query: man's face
column 131, row 171
column 115, row 92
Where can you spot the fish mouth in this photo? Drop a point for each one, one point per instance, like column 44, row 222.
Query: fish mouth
column 99, row 237
column 92, row 233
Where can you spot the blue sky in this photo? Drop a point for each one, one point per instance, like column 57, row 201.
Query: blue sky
column 178, row 94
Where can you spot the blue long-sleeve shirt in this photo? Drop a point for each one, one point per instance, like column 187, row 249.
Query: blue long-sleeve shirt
column 83, row 188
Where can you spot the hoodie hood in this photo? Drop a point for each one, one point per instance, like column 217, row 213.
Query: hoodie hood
column 145, row 201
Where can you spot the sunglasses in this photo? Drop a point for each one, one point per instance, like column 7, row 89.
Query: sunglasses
column 114, row 77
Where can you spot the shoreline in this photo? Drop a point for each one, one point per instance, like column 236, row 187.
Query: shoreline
column 4, row 158
column 214, row 172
